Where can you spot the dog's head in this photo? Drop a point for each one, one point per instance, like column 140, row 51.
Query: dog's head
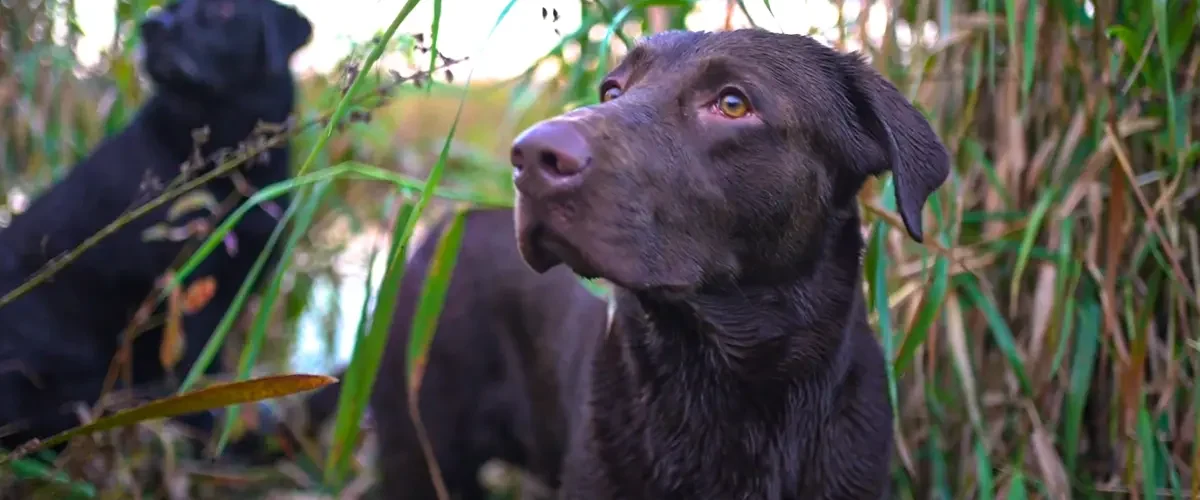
column 221, row 47
column 717, row 156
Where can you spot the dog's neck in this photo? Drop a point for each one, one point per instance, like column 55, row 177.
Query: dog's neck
column 708, row 372
column 174, row 119
column 791, row 333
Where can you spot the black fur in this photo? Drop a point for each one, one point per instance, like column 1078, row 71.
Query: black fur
column 220, row 64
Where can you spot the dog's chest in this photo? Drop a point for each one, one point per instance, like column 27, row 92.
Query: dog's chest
column 684, row 436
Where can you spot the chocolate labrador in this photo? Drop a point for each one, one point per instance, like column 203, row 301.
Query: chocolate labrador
column 715, row 186
column 216, row 64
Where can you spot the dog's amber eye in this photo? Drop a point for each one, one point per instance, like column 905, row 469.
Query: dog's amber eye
column 733, row 104
column 610, row 93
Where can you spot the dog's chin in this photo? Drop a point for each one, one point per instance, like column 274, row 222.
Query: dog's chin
column 543, row 249
column 544, row 245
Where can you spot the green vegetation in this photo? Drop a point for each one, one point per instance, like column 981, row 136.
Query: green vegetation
column 1043, row 341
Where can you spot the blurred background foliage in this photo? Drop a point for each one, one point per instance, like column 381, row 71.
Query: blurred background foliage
column 1043, row 342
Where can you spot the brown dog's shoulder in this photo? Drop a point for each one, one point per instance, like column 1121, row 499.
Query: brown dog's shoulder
column 501, row 362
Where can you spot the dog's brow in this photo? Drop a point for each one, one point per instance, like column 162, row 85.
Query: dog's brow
column 715, row 72
column 636, row 59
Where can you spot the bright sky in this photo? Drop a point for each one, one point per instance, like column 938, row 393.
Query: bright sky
column 520, row 39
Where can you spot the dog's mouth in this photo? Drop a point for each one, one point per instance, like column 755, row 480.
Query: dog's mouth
column 544, row 248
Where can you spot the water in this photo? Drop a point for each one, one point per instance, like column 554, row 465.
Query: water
column 316, row 349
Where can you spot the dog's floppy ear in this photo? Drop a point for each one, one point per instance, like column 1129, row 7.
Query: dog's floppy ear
column 911, row 149
column 285, row 30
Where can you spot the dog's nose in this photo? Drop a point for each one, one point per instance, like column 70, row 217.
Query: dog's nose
column 555, row 148
column 157, row 25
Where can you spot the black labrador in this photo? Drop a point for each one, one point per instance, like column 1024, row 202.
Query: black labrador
column 715, row 186
column 219, row 65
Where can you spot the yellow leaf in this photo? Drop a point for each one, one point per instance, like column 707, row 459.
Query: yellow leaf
column 171, row 348
column 198, row 294
column 190, row 201
column 156, row 232
column 215, row 396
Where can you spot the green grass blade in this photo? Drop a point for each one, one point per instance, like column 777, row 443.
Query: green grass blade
column 433, row 295
column 364, row 361
column 424, row 325
column 1029, row 54
column 434, row 32
column 1029, row 237
column 213, row 347
column 1001, row 334
column 742, row 5
column 1017, row 489
column 605, row 51
column 928, row 314
column 1148, row 445
column 1162, row 24
column 258, row 333
column 26, row 469
column 343, row 105
column 876, row 263
column 983, row 467
column 369, row 351
column 614, row 28
column 1087, row 344
column 346, row 170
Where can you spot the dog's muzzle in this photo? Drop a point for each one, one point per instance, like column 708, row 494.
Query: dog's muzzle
column 550, row 162
column 164, row 56
column 157, row 27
